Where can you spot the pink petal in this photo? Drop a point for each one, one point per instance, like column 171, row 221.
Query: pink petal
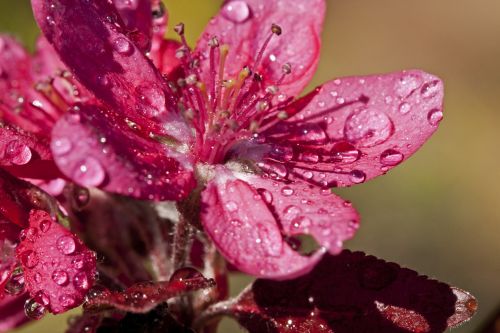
column 306, row 210
column 58, row 268
column 245, row 25
column 354, row 129
column 88, row 37
column 12, row 312
column 98, row 148
column 164, row 56
column 245, row 231
column 145, row 296
column 353, row 292
column 136, row 16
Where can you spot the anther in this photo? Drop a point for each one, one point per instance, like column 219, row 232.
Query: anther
column 276, row 29
column 287, row 68
column 273, row 90
column 191, row 79
column 257, row 77
column 181, row 52
column 179, row 29
column 213, row 42
column 282, row 115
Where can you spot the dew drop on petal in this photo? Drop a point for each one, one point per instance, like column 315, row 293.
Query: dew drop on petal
column 344, row 152
column 266, row 195
column 357, row 176
column 45, row 225
column 89, row 172
column 287, row 191
column 29, row 258
column 236, row 11
column 60, row 277
column 18, row 152
column 33, row 309
column 153, row 101
column 67, row 301
column 61, row 146
column 123, row 46
column 435, row 116
column 81, row 281
column 236, row 223
column 66, row 245
column 430, row 89
column 391, row 157
column 42, row 298
column 15, row 285
column 38, row 277
column 77, row 263
column 407, row 84
column 368, row 127
column 404, row 108
column 231, row 206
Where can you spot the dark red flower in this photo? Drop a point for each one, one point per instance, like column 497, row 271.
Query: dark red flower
column 225, row 119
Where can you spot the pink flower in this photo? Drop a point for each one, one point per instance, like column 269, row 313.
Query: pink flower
column 34, row 92
column 225, row 120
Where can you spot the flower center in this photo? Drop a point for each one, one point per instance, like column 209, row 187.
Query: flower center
column 225, row 109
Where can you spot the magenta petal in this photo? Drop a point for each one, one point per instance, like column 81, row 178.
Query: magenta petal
column 88, row 37
column 245, row 231
column 164, row 56
column 58, row 268
column 305, row 210
column 353, row 292
column 137, row 17
column 98, row 149
column 245, row 25
column 12, row 312
column 353, row 129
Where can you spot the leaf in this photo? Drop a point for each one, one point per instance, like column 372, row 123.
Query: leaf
column 353, row 292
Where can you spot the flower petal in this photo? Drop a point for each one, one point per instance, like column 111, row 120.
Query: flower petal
column 354, row 129
column 301, row 209
column 164, row 56
column 245, row 25
column 58, row 268
column 88, row 37
column 353, row 292
column 97, row 148
column 245, row 231
column 12, row 312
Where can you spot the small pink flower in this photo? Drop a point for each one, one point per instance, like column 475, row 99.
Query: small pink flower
column 224, row 120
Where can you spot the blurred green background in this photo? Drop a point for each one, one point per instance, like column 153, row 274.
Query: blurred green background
column 438, row 213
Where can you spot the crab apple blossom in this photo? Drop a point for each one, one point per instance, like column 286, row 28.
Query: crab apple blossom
column 148, row 144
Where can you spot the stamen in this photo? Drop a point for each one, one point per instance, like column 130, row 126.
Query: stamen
column 275, row 30
column 224, row 51
column 244, row 74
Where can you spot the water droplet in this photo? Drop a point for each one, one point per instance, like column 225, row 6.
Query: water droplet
column 270, row 240
column 391, row 157
column 291, row 212
column 308, row 175
column 435, row 116
column 67, row 301
column 60, row 277
column 186, row 273
column 15, row 285
column 344, row 152
column 236, row 11
column 89, row 172
column 45, row 225
column 308, row 133
column 81, row 197
column 153, row 101
column 123, row 46
column 77, row 263
column 430, row 89
column 29, row 258
column 368, row 127
column 301, row 222
column 33, row 309
column 66, row 245
column 287, row 191
column 404, row 108
column 407, row 84
column 61, row 146
column 38, row 277
column 357, row 176
column 42, row 298
column 18, row 152
column 28, row 234
column 266, row 195
column 81, row 281
column 236, row 223
column 231, row 206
